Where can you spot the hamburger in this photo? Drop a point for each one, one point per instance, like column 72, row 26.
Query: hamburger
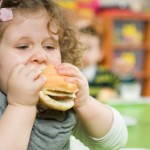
column 56, row 92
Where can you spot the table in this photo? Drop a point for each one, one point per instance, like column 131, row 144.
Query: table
column 137, row 116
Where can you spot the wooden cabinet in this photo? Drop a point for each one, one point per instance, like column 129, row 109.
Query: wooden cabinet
column 127, row 34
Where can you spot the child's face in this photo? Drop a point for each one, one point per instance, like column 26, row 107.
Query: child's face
column 93, row 53
column 27, row 41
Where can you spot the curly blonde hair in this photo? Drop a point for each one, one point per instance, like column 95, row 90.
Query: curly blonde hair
column 71, row 51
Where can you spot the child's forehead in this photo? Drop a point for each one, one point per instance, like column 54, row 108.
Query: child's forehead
column 24, row 14
column 41, row 15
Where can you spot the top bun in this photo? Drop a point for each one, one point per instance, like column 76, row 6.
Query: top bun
column 56, row 82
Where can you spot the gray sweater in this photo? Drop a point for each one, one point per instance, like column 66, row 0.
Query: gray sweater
column 51, row 132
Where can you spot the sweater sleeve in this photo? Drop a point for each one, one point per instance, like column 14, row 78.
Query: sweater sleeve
column 115, row 139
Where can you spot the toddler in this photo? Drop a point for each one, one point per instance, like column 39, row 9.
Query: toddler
column 103, row 83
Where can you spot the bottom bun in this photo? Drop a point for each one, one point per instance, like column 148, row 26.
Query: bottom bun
column 62, row 105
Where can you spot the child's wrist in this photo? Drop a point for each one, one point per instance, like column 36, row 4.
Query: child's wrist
column 23, row 108
column 83, row 105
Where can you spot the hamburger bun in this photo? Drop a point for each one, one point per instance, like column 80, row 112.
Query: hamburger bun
column 56, row 92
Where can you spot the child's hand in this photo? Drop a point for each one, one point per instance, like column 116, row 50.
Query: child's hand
column 24, row 85
column 78, row 78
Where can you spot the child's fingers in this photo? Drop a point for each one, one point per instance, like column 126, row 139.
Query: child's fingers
column 73, row 80
column 26, row 69
column 22, row 70
column 69, row 70
column 66, row 65
column 17, row 69
column 35, row 72
column 38, row 84
column 79, row 82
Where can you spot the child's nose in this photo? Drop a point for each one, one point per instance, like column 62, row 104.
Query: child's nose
column 39, row 57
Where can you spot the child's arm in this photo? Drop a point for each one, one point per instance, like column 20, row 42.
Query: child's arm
column 115, row 139
column 96, row 117
column 22, row 93
column 15, row 127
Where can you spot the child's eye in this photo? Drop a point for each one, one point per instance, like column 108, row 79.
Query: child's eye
column 49, row 47
column 22, row 47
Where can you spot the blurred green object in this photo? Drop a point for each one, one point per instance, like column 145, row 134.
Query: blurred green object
column 137, row 117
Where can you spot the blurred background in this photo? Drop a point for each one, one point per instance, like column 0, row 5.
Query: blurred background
column 122, row 58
